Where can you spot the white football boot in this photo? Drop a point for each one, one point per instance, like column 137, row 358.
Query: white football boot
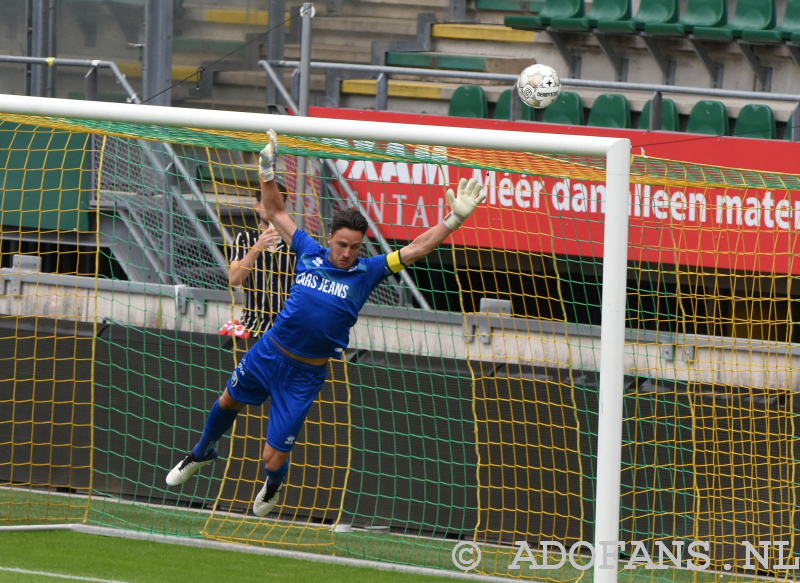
column 267, row 498
column 181, row 473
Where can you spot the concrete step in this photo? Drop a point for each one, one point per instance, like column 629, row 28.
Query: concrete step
column 481, row 32
column 391, row 9
column 502, row 50
column 423, row 6
column 336, row 38
column 205, row 45
column 257, row 79
column 369, row 25
column 216, row 31
column 179, row 72
column 332, row 53
column 224, row 16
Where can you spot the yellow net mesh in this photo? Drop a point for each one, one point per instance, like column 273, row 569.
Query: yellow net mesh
column 474, row 420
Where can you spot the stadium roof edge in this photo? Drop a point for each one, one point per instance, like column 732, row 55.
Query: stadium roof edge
column 310, row 126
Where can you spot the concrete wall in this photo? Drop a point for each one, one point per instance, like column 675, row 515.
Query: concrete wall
column 702, row 359
column 132, row 309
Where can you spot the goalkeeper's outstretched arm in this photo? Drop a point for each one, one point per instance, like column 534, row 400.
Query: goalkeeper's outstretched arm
column 271, row 197
column 461, row 207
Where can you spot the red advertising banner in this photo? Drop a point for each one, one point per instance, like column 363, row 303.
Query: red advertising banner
column 738, row 229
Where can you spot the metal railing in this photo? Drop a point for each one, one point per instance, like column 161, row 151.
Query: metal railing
column 91, row 94
column 382, row 72
column 91, row 76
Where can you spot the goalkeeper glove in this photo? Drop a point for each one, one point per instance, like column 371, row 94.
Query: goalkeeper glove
column 463, row 205
column 266, row 159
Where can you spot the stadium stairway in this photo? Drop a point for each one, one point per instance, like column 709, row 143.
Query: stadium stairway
column 205, row 31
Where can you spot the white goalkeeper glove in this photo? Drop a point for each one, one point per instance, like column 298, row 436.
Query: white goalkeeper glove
column 463, row 205
column 266, row 159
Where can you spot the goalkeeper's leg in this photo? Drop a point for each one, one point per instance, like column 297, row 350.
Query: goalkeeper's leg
column 244, row 388
column 294, row 386
column 276, row 464
column 220, row 419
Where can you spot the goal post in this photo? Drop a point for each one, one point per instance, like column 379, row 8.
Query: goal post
column 615, row 151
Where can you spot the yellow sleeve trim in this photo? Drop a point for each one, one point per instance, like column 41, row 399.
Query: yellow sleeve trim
column 393, row 262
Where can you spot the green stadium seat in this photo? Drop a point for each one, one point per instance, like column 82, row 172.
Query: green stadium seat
column 532, row 6
column 566, row 110
column 600, row 10
column 551, row 9
column 502, row 110
column 650, row 12
column 669, row 116
column 789, row 25
column 708, row 117
column 469, row 101
column 756, row 121
column 435, row 61
column 610, row 110
column 749, row 15
column 707, row 13
column 787, row 135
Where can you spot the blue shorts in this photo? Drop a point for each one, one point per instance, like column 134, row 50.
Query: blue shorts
column 266, row 371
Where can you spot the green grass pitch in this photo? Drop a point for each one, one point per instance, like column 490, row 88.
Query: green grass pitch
column 132, row 561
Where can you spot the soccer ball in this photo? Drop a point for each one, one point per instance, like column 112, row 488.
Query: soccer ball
column 538, row 86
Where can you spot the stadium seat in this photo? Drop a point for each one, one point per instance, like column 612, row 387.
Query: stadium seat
column 610, row 110
column 552, row 9
column 650, row 12
column 749, row 15
column 600, row 10
column 756, row 121
column 707, row 13
column 502, row 110
column 669, row 117
column 787, row 135
column 708, row 117
column 435, row 61
column 567, row 110
column 532, row 6
column 469, row 101
column 790, row 25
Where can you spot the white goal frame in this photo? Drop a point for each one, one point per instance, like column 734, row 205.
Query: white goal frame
column 616, row 152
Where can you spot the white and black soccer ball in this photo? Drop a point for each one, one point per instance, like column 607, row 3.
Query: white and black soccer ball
column 538, row 86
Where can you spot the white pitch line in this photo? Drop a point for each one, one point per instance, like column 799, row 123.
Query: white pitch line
column 59, row 575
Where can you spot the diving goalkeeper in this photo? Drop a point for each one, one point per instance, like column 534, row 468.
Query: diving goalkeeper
column 288, row 363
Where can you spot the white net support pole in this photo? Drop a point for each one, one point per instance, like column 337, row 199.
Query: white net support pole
column 612, row 347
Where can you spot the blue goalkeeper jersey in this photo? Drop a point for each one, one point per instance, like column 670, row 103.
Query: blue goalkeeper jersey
column 324, row 300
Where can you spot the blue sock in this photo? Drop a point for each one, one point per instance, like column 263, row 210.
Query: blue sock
column 218, row 422
column 279, row 474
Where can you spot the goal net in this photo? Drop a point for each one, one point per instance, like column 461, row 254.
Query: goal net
column 466, row 408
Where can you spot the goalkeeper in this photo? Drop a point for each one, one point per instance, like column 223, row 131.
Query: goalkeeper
column 288, row 363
